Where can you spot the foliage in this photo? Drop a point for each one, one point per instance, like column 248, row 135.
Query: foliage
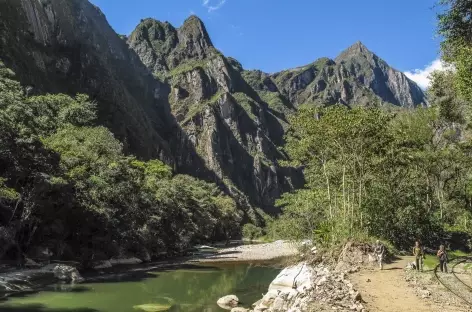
column 455, row 26
column 398, row 176
column 66, row 184
column 251, row 232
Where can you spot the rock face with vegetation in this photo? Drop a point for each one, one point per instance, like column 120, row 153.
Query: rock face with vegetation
column 231, row 127
column 68, row 46
column 356, row 77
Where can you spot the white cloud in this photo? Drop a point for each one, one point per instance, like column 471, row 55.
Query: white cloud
column 211, row 8
column 422, row 76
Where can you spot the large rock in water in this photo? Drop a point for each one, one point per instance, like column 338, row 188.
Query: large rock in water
column 228, row 302
column 27, row 280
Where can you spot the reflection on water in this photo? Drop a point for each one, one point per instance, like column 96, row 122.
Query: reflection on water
column 181, row 290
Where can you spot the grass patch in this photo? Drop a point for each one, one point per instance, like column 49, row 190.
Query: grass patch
column 199, row 107
column 275, row 102
column 431, row 261
column 247, row 104
column 188, row 66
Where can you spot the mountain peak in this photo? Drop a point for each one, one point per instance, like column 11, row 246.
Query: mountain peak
column 194, row 29
column 356, row 49
column 194, row 19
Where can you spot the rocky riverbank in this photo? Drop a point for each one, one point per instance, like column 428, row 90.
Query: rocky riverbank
column 304, row 287
column 34, row 279
column 320, row 284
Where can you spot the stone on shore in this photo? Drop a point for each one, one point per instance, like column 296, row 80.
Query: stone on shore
column 295, row 277
column 298, row 287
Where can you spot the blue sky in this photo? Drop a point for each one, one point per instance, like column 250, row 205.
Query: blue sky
column 272, row 35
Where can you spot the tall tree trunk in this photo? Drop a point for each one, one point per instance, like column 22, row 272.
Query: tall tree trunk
column 344, row 192
column 328, row 188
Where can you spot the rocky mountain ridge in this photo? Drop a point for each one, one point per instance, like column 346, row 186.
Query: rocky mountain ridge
column 168, row 93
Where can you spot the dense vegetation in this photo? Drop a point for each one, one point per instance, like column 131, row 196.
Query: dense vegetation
column 66, row 185
column 398, row 176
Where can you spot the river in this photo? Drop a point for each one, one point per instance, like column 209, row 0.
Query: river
column 181, row 289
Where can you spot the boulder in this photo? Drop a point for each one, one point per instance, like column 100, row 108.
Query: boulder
column 297, row 277
column 62, row 272
column 228, row 302
column 29, row 280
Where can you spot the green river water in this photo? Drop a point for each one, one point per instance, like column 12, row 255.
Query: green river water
column 190, row 288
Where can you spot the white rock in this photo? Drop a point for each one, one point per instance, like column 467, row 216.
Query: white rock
column 298, row 277
column 278, row 305
column 228, row 302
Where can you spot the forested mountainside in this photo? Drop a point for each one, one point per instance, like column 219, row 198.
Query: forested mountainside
column 167, row 94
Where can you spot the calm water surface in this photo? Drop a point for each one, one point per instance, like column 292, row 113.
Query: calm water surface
column 191, row 288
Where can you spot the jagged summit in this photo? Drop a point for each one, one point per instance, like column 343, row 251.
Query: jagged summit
column 194, row 36
column 194, row 26
column 356, row 49
column 194, row 20
column 163, row 47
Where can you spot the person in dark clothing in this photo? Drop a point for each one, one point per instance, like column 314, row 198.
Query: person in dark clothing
column 442, row 255
column 419, row 256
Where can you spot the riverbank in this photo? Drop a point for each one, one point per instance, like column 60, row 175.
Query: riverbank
column 16, row 281
column 248, row 253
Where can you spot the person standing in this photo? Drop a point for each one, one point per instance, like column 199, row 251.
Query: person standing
column 442, row 255
column 419, row 256
column 379, row 251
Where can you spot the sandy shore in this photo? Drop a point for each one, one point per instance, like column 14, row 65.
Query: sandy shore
column 256, row 252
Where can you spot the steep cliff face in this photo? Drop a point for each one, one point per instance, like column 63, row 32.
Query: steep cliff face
column 231, row 127
column 68, row 46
